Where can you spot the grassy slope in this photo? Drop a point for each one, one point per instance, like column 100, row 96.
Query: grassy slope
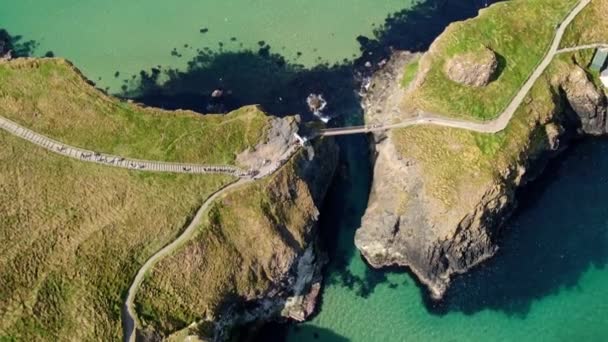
column 410, row 73
column 589, row 27
column 453, row 159
column 73, row 236
column 519, row 30
column 51, row 98
column 248, row 238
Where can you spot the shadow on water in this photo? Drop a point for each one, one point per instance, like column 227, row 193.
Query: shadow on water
column 280, row 85
column 274, row 332
column 15, row 44
column 559, row 232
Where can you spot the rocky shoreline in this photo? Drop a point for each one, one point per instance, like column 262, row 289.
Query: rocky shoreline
column 407, row 226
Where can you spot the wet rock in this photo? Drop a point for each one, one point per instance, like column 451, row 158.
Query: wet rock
column 316, row 103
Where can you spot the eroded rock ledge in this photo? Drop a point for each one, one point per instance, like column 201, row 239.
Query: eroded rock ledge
column 409, row 222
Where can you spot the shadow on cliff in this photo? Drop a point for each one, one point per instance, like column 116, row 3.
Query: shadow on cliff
column 16, row 44
column 558, row 234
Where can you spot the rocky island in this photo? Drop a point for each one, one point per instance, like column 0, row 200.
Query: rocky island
column 440, row 194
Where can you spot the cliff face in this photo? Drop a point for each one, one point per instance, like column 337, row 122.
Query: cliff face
column 440, row 195
column 255, row 259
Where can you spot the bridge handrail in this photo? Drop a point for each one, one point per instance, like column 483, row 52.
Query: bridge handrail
column 90, row 155
column 347, row 128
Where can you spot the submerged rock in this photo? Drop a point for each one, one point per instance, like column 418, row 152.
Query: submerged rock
column 316, row 103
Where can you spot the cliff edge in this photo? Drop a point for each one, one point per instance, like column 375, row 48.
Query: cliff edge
column 440, row 195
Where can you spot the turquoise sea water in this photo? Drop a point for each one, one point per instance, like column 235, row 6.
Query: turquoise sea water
column 103, row 37
column 548, row 283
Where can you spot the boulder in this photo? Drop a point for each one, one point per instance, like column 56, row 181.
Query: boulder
column 475, row 69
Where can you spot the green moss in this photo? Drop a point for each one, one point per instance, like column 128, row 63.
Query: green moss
column 489, row 144
column 410, row 72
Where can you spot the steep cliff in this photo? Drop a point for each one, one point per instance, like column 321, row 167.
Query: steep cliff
column 440, row 195
column 255, row 257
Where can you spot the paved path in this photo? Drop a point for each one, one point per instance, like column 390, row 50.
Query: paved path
column 113, row 160
column 492, row 126
column 584, row 47
column 129, row 316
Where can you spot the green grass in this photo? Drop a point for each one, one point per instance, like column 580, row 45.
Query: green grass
column 519, row 31
column 410, row 72
column 231, row 256
column 74, row 234
column 455, row 161
column 52, row 98
column 246, row 243
column 589, row 27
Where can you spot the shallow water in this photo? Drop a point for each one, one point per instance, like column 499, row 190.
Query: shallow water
column 549, row 281
column 103, row 37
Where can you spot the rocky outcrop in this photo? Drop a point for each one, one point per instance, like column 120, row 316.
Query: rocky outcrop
column 279, row 137
column 294, row 293
column 587, row 101
column 405, row 226
column 381, row 93
column 475, row 69
column 408, row 223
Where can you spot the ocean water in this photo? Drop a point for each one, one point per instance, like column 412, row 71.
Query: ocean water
column 109, row 36
column 548, row 282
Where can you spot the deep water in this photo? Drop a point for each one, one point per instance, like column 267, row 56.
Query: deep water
column 547, row 283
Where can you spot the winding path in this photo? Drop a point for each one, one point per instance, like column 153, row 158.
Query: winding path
column 492, row 126
column 584, row 47
column 129, row 316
